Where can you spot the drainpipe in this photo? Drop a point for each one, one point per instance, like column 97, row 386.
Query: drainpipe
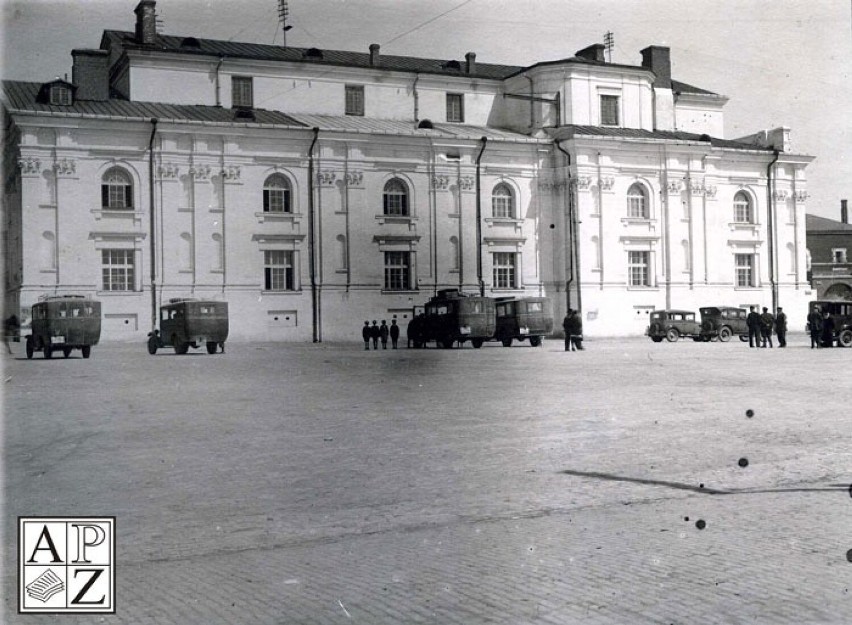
column 218, row 94
column 479, row 221
column 56, row 264
column 416, row 98
column 311, row 261
column 151, row 221
column 573, row 226
column 532, row 102
column 770, row 231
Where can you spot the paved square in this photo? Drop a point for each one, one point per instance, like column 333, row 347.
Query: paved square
column 327, row 484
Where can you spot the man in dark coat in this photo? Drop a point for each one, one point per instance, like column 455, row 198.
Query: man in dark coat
column 375, row 333
column 781, row 327
column 566, row 326
column 815, row 327
column 573, row 327
column 366, row 334
column 828, row 327
column 753, row 323
column 767, row 321
column 384, row 332
column 394, row 333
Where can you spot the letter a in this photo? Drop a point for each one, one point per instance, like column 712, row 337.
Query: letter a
column 51, row 548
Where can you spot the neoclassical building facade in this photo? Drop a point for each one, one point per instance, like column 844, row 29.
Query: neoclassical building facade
column 313, row 189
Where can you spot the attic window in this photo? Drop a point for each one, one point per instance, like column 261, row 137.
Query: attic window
column 426, row 123
column 455, row 65
column 190, row 42
column 60, row 95
column 312, row 53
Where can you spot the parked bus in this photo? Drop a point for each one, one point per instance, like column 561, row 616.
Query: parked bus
column 522, row 318
column 186, row 323
column 452, row 317
column 64, row 323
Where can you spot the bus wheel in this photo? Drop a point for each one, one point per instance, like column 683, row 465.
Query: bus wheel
column 535, row 341
column 477, row 343
column 66, row 351
column 507, row 342
column 153, row 344
column 87, row 351
column 30, row 349
column 211, row 347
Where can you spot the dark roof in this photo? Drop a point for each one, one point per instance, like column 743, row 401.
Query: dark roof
column 22, row 96
column 682, row 87
column 262, row 52
column 570, row 132
column 814, row 223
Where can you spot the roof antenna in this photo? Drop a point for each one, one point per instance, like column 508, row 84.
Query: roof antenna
column 283, row 14
column 609, row 42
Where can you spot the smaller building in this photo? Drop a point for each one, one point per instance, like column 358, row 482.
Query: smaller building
column 830, row 253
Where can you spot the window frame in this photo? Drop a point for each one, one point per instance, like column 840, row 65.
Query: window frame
column 604, row 112
column 395, row 201
column 504, row 275
column 839, row 256
column 238, row 89
column 60, row 95
column 286, row 191
column 747, row 271
column 637, row 192
column 354, row 105
column 111, row 198
column 639, row 268
column 505, row 202
column 118, row 270
column 455, row 116
column 397, row 270
column 743, row 201
column 279, row 273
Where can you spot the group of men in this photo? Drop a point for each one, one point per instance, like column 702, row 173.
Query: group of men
column 821, row 327
column 376, row 332
column 760, row 327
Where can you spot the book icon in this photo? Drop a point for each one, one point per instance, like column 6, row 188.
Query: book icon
column 45, row 586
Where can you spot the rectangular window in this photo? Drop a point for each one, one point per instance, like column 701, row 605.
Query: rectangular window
column 745, row 269
column 355, row 100
column 278, row 272
column 118, row 270
column 241, row 92
column 397, row 271
column 638, row 268
column 609, row 110
column 504, row 270
column 455, row 107
column 60, row 96
column 838, row 255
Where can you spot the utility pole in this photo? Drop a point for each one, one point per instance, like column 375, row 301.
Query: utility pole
column 283, row 14
column 609, row 42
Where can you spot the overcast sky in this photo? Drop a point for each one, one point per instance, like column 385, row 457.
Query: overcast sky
column 781, row 62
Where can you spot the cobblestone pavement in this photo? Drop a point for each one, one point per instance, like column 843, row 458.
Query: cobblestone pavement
column 327, row 484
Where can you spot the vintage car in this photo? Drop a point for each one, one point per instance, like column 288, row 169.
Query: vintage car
column 64, row 323
column 723, row 322
column 840, row 312
column 521, row 318
column 186, row 323
column 673, row 324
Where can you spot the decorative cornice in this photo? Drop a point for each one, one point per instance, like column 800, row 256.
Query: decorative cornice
column 200, row 172
column 696, row 187
column 29, row 165
column 440, row 182
column 326, row 178
column 606, row 183
column 780, row 194
column 355, row 179
column 800, row 196
column 65, row 167
column 168, row 170
column 583, row 182
column 710, row 190
column 674, row 187
column 467, row 183
column 231, row 173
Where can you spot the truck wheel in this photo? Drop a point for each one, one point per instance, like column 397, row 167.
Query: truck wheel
column 844, row 339
column 153, row 344
column 507, row 342
column 66, row 351
column 87, row 351
column 535, row 341
column 30, row 349
column 211, row 347
column 725, row 334
column 477, row 343
column 672, row 335
column 657, row 339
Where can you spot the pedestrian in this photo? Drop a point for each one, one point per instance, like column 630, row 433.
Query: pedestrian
column 394, row 333
column 384, row 332
column 828, row 327
column 753, row 323
column 781, row 327
column 366, row 334
column 573, row 326
column 815, row 327
column 767, row 321
column 11, row 328
column 375, row 333
column 566, row 326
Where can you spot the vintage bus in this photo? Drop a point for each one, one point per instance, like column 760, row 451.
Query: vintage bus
column 186, row 323
column 452, row 317
column 63, row 323
column 522, row 318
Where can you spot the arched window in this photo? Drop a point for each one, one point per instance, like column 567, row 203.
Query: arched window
column 276, row 194
column 395, row 197
column 116, row 190
column 742, row 209
column 637, row 202
column 503, row 201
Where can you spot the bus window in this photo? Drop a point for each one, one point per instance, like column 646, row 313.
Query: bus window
column 534, row 307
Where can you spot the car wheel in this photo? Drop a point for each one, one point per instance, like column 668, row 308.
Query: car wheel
column 725, row 334
column 30, row 349
column 66, row 351
column 672, row 335
column 211, row 347
column 657, row 339
column 744, row 339
column 153, row 344
column 844, row 339
column 48, row 351
column 535, row 341
column 477, row 343
column 87, row 351
column 507, row 342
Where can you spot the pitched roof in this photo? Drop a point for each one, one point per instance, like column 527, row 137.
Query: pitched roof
column 570, row 132
column 22, row 96
column 814, row 223
column 682, row 87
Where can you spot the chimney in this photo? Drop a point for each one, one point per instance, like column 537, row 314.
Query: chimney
column 594, row 52
column 374, row 54
column 470, row 57
column 90, row 74
column 657, row 59
column 844, row 212
column 146, row 22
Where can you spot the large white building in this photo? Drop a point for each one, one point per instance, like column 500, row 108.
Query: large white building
column 313, row 189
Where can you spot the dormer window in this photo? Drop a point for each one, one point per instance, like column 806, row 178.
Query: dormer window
column 56, row 93
column 609, row 110
column 241, row 92
column 60, row 95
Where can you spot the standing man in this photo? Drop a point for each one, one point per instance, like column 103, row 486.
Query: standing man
column 566, row 326
column 766, row 323
column 394, row 333
column 827, row 330
column 375, row 333
column 781, row 327
column 384, row 332
column 577, row 331
column 11, row 329
column 366, row 334
column 753, row 323
column 815, row 327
